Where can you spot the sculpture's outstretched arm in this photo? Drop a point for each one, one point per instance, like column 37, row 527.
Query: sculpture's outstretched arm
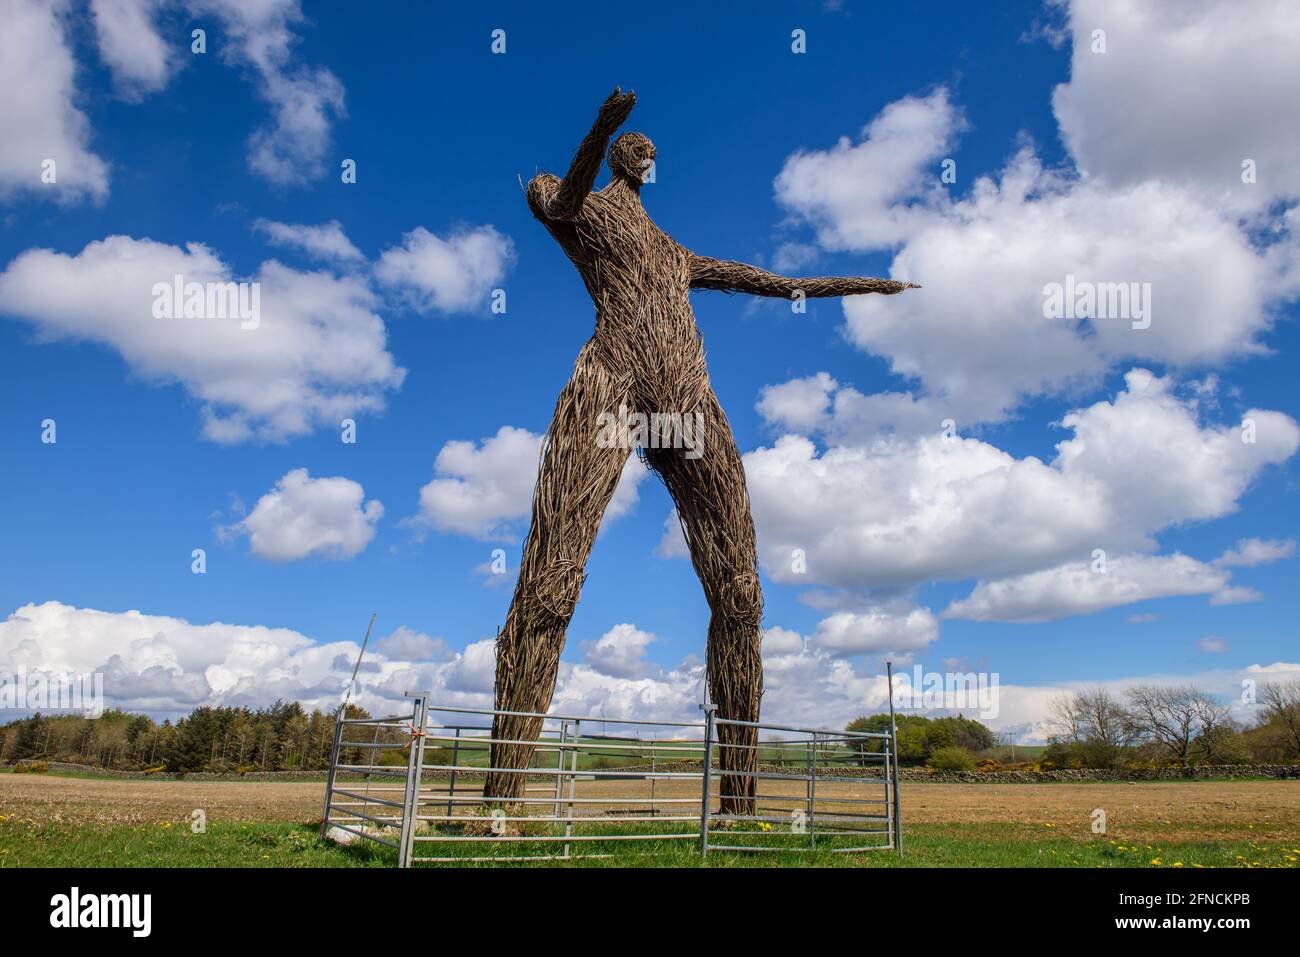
column 566, row 202
column 709, row 273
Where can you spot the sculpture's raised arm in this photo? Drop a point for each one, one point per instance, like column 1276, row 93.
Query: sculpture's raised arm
column 564, row 201
column 728, row 276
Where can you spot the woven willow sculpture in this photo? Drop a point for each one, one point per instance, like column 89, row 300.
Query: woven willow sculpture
column 646, row 356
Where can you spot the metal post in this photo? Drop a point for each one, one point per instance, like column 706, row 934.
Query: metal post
column 414, row 776
column 808, row 787
column 893, row 741
column 573, row 779
column 654, row 808
column 419, row 769
column 709, row 714
column 451, row 786
column 812, row 796
column 329, row 780
column 889, row 792
column 559, row 768
column 372, row 757
column 352, row 683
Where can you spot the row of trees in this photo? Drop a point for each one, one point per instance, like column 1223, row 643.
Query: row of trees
column 1098, row 728
column 283, row 737
column 1179, row 724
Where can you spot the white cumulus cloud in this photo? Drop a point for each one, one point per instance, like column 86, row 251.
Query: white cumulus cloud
column 304, row 516
column 452, row 274
column 800, row 405
column 904, row 510
column 326, row 242
column 411, row 645
column 1079, row 588
column 167, row 666
column 318, row 354
column 1154, row 196
column 304, row 100
column 1204, row 86
column 1250, row 552
column 38, row 113
column 129, row 43
column 485, row 489
column 619, row 652
column 875, row 631
column 874, row 192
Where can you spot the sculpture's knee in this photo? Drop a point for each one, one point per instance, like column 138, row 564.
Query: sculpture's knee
column 739, row 601
column 553, row 592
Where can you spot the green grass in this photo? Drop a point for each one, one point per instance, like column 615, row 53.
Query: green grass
column 157, row 845
column 931, row 845
column 297, row 845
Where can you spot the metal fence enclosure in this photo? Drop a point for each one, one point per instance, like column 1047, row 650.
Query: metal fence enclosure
column 836, row 786
column 414, row 782
column 371, row 767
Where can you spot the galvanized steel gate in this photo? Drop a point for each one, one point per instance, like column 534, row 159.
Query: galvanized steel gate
column 414, row 782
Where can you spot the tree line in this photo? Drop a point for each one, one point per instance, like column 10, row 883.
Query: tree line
column 1172, row 724
column 1146, row 725
column 283, row 737
column 1094, row 728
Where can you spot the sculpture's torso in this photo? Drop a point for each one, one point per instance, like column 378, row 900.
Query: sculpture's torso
column 639, row 280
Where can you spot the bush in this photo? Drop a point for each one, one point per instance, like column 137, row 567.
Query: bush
column 1098, row 754
column 920, row 737
column 1224, row 746
column 1059, row 755
column 951, row 759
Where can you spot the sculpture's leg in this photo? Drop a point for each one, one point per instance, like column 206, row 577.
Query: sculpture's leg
column 713, row 505
column 575, row 482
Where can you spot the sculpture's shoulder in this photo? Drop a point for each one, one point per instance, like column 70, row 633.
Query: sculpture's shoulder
column 541, row 189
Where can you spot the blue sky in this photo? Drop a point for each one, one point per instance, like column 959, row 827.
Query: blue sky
column 442, row 132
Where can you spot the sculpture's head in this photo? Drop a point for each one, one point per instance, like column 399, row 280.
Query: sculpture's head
column 630, row 157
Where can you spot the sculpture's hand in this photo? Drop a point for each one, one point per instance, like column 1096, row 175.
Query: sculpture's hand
column 728, row 276
column 615, row 111
column 567, row 202
column 892, row 287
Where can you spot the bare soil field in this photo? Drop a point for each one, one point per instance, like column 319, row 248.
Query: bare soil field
column 1265, row 811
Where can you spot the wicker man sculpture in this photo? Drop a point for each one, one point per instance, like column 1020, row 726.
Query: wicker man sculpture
column 646, row 356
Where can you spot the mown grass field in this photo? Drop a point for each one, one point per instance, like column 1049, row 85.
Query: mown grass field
column 58, row 820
